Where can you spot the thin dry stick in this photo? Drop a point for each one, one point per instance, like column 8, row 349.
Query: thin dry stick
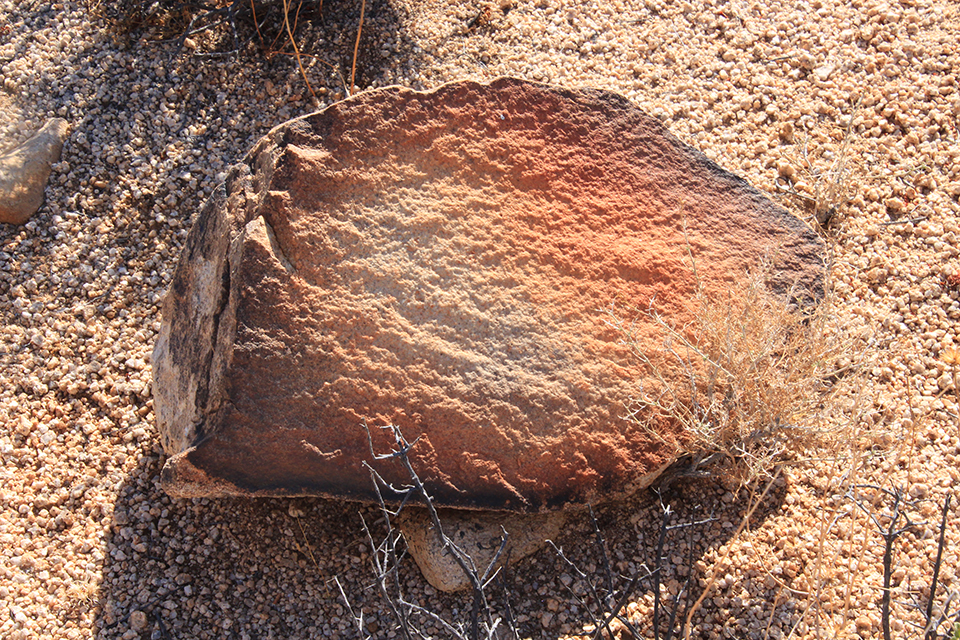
column 356, row 47
column 914, row 426
column 656, row 574
column 608, row 571
column 684, row 592
column 850, row 541
column 828, row 199
column 343, row 80
column 601, row 621
column 256, row 25
column 296, row 19
column 602, row 546
column 819, row 565
column 956, row 393
column 356, row 618
column 851, row 576
column 416, row 488
column 951, row 356
column 723, row 561
column 253, row 12
column 776, row 602
column 385, row 563
column 826, row 527
column 780, row 583
column 889, row 533
column 296, row 50
column 799, row 621
column 847, row 480
column 931, row 631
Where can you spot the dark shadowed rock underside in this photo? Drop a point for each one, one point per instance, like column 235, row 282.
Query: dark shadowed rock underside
column 446, row 262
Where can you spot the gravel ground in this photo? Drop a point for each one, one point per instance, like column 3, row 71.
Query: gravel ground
column 786, row 97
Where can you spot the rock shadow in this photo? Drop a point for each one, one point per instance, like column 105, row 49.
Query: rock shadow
column 230, row 568
column 274, row 568
column 551, row 599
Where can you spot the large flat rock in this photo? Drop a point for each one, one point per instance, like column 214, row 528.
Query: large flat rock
column 445, row 262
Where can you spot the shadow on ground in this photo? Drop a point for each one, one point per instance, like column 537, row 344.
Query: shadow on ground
column 325, row 34
column 270, row 568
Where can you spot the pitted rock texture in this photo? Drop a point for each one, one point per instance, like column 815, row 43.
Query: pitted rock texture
column 446, row 262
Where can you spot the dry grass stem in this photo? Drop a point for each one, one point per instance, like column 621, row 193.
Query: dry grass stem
column 356, row 48
column 951, row 357
column 756, row 371
column 296, row 50
column 830, row 187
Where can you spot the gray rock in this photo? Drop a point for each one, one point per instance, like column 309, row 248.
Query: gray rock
column 478, row 535
column 24, row 172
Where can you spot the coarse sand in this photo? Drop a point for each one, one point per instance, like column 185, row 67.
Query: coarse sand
column 846, row 110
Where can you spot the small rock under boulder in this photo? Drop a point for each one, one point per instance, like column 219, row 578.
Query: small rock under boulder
column 478, row 534
column 445, row 262
column 24, row 171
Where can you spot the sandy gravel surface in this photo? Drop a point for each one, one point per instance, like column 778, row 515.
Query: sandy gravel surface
column 90, row 546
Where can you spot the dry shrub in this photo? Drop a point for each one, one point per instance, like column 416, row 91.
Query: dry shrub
column 821, row 184
column 822, row 191
column 758, row 371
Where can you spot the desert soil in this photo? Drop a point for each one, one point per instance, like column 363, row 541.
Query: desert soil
column 852, row 105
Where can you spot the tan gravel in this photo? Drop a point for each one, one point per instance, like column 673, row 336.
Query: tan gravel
column 790, row 98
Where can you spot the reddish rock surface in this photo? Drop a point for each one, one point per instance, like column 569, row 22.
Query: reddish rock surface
column 444, row 262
